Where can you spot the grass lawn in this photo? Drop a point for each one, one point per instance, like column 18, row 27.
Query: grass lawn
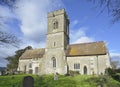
column 63, row 81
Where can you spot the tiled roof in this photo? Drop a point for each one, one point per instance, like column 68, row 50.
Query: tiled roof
column 86, row 49
column 36, row 53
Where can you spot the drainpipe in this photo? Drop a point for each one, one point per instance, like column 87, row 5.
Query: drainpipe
column 97, row 65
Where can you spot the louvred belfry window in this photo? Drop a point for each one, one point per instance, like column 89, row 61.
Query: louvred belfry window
column 55, row 25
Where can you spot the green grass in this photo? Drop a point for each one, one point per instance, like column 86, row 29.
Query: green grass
column 63, row 81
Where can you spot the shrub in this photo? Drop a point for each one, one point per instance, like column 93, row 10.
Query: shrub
column 114, row 73
column 116, row 77
column 67, row 74
column 117, row 70
column 110, row 71
column 72, row 73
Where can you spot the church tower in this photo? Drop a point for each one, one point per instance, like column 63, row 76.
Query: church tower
column 56, row 42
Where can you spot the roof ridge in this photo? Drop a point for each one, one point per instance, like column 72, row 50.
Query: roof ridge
column 88, row 43
column 36, row 49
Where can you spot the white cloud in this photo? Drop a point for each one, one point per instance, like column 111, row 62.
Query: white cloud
column 84, row 39
column 27, row 42
column 33, row 16
column 5, row 52
column 74, row 23
column 115, row 57
column 3, row 62
column 115, row 54
column 6, row 15
column 79, row 36
column 75, row 34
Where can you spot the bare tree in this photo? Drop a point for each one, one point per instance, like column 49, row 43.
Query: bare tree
column 112, row 6
column 114, row 64
column 7, row 38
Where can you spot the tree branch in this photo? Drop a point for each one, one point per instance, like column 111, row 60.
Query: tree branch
column 112, row 6
column 6, row 38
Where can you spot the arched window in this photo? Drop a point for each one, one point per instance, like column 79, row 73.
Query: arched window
column 85, row 70
column 55, row 24
column 30, row 65
column 54, row 44
column 54, row 62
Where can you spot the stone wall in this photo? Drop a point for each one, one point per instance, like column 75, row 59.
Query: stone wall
column 36, row 68
column 95, row 64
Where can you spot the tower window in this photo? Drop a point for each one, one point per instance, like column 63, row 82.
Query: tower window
column 54, row 62
column 77, row 66
column 54, row 44
column 55, row 25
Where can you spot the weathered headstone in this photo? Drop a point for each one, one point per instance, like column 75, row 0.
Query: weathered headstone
column 101, row 76
column 55, row 77
column 106, row 74
column 28, row 81
column 101, row 81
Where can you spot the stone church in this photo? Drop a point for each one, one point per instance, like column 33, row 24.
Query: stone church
column 60, row 56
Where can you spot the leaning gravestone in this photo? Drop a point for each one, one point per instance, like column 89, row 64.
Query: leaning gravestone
column 28, row 81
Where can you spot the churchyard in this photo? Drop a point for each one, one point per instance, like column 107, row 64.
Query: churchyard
column 61, row 81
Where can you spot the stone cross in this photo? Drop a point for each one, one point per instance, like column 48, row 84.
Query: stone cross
column 28, row 81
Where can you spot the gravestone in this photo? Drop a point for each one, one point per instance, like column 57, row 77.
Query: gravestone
column 28, row 81
column 101, row 76
column 106, row 74
column 55, row 76
column 101, row 81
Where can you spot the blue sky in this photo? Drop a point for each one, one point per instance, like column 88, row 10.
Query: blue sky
column 29, row 23
column 98, row 26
